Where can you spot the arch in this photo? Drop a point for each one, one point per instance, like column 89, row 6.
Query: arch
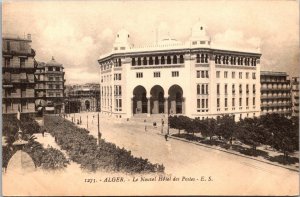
column 174, row 59
column 139, row 61
column 168, row 59
column 162, row 60
column 144, row 61
column 156, row 61
column 157, row 99
column 150, row 61
column 87, row 105
column 206, row 58
column 176, row 101
column 139, row 100
column 198, row 58
column 181, row 60
column 202, row 58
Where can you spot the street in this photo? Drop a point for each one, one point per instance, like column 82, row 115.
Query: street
column 224, row 174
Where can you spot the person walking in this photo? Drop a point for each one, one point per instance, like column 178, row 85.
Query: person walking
column 43, row 132
column 166, row 137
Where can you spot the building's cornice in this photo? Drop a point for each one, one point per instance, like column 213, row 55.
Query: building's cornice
column 130, row 53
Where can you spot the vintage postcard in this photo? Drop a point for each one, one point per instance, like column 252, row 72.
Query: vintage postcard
column 114, row 98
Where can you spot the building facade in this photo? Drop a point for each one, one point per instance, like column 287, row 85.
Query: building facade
column 87, row 95
column 18, row 67
column 275, row 93
column 195, row 78
column 49, row 89
column 295, row 96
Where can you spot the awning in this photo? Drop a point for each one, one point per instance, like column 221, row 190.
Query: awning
column 49, row 108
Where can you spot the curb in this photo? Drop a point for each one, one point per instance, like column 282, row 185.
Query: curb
column 219, row 149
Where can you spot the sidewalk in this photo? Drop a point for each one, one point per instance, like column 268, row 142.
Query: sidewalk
column 292, row 168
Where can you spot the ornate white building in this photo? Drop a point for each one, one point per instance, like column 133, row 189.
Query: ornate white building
column 196, row 78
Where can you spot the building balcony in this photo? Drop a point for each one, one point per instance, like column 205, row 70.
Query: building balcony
column 275, row 97
column 274, row 89
column 15, row 52
column 275, row 104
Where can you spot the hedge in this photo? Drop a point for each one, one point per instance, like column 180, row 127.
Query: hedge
column 46, row 158
column 83, row 149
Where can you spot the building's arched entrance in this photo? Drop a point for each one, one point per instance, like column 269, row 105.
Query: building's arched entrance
column 157, row 99
column 87, row 105
column 139, row 100
column 176, row 102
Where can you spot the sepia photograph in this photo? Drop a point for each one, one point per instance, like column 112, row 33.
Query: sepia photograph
column 150, row 98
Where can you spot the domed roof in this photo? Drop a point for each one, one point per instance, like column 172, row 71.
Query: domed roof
column 199, row 32
column 52, row 62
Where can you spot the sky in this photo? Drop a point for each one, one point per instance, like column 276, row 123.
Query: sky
column 76, row 33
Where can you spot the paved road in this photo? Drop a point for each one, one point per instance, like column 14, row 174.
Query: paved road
column 230, row 174
column 228, row 171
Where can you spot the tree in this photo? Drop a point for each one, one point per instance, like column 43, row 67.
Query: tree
column 209, row 128
column 284, row 133
column 226, row 127
column 251, row 132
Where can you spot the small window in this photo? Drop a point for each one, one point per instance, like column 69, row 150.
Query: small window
column 218, row 74
column 50, row 68
column 240, row 75
column 247, row 75
column 57, row 86
column 139, row 75
column 57, row 69
column 156, row 74
column 22, row 62
column 194, row 42
column 175, row 73
column 202, row 42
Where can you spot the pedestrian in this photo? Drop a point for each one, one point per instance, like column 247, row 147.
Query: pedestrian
column 166, row 137
column 43, row 132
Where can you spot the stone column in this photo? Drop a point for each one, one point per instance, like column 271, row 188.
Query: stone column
column 183, row 105
column 148, row 106
column 166, row 105
column 131, row 110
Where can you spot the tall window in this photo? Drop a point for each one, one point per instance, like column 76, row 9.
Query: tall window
column 198, row 103
column 202, row 89
column 218, row 74
column 240, row 102
column 240, row 88
column 247, row 101
column 240, row 75
column 218, row 102
column 247, row 88
column 202, row 74
column 253, row 76
column 253, row 88
column 247, row 75
column 253, row 101
column 233, row 89
column 218, row 89
column 225, row 74
column 198, row 89
column 233, row 75
column 233, row 102
column 198, row 73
